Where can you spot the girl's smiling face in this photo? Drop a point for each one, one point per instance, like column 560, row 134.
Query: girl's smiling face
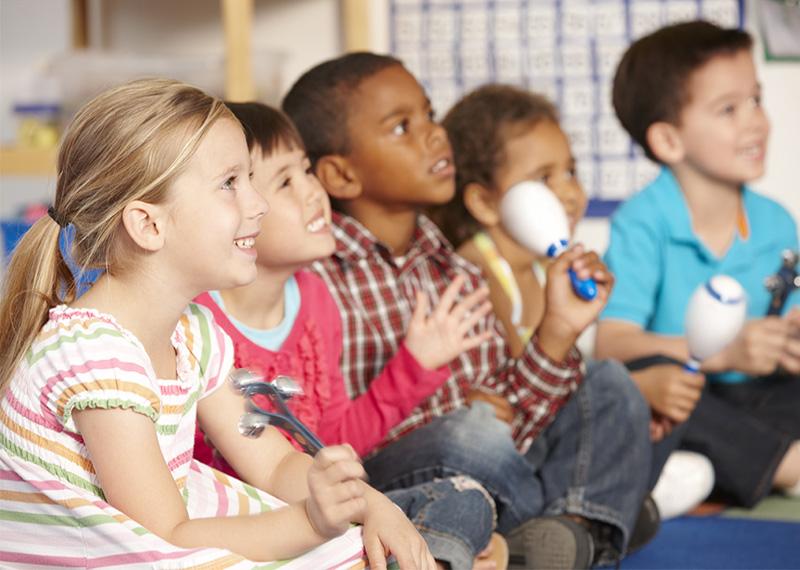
column 214, row 214
column 542, row 153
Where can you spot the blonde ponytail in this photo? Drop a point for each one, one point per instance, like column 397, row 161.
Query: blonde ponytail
column 37, row 279
column 129, row 143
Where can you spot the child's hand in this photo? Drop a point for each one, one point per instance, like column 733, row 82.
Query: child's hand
column 660, row 426
column 790, row 360
column 758, row 348
column 387, row 530
column 670, row 390
column 503, row 411
column 438, row 338
column 336, row 496
column 565, row 312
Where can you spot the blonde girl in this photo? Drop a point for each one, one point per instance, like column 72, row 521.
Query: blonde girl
column 101, row 393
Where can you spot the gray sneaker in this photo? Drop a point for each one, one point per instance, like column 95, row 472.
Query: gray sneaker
column 550, row 543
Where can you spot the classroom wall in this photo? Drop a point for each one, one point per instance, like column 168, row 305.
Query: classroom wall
column 781, row 83
column 305, row 31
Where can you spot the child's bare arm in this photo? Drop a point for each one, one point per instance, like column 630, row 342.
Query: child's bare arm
column 135, row 479
column 627, row 341
column 331, row 486
column 437, row 338
column 756, row 351
column 218, row 416
column 759, row 348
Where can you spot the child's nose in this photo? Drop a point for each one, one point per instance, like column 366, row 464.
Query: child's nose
column 760, row 120
column 312, row 189
column 570, row 193
column 255, row 205
column 437, row 136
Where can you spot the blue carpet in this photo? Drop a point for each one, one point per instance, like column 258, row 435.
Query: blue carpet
column 715, row 542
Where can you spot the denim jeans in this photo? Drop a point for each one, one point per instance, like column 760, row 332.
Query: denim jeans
column 592, row 461
column 455, row 516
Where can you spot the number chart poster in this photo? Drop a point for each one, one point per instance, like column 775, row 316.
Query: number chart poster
column 565, row 49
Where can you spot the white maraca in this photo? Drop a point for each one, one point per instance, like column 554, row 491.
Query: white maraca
column 714, row 316
column 535, row 218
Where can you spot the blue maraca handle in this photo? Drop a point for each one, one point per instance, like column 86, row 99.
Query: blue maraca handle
column 584, row 288
column 692, row 365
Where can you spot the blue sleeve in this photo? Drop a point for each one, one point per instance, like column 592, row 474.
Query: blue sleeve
column 635, row 257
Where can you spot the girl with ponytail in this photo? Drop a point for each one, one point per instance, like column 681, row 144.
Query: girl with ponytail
column 100, row 393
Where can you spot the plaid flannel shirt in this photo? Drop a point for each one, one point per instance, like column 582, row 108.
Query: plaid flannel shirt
column 376, row 296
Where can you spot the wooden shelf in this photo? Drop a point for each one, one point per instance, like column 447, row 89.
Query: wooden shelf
column 27, row 162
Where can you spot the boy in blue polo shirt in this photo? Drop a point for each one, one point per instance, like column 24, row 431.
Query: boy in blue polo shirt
column 689, row 95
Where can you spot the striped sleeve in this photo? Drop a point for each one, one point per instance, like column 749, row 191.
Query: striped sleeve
column 91, row 363
column 210, row 348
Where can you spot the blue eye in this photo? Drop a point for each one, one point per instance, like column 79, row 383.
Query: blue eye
column 229, row 183
column 728, row 110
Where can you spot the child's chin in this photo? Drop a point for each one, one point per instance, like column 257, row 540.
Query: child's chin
column 440, row 198
column 242, row 280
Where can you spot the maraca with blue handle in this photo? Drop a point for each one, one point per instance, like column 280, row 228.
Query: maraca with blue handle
column 535, row 218
column 716, row 313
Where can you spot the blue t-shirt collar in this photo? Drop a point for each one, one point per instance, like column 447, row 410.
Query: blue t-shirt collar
column 671, row 200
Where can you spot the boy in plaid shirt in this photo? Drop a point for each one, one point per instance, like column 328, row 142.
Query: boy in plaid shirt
column 568, row 474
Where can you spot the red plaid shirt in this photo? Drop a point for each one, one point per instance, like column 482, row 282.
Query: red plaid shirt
column 375, row 294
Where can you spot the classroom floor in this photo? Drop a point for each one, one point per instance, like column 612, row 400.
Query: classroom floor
column 767, row 537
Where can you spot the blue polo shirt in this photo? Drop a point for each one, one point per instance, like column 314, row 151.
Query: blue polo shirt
column 658, row 261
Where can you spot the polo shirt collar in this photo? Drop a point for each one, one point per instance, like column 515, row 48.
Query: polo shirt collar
column 672, row 202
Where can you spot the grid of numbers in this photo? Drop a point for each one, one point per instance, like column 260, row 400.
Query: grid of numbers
column 566, row 49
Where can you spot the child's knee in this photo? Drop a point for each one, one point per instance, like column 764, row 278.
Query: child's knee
column 613, row 391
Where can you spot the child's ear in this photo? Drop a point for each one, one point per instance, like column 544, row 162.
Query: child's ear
column 665, row 142
column 338, row 177
column 144, row 224
column 482, row 203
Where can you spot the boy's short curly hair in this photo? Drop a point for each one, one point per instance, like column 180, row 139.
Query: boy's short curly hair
column 265, row 127
column 650, row 84
column 319, row 101
column 479, row 126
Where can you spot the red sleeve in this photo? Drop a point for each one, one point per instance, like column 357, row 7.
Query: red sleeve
column 402, row 385
column 535, row 385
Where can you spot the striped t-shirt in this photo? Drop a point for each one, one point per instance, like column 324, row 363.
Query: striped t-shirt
column 52, row 508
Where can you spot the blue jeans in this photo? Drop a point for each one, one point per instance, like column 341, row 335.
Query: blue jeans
column 455, row 516
column 592, row 461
